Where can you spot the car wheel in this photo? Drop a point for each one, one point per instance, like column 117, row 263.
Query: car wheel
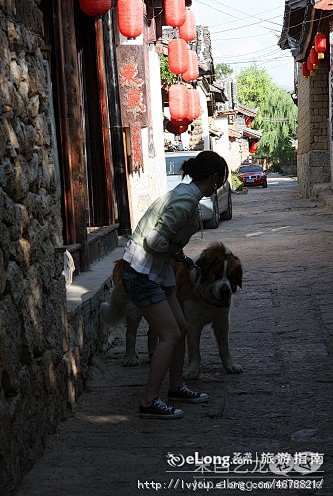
column 265, row 185
column 227, row 215
column 213, row 223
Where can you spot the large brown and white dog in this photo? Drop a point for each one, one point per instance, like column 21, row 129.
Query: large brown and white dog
column 204, row 290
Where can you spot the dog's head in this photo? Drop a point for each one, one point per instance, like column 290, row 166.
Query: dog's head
column 219, row 276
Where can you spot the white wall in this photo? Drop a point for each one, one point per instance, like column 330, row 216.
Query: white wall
column 204, row 117
column 222, row 144
column 144, row 187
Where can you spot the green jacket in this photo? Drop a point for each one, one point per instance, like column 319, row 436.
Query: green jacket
column 174, row 215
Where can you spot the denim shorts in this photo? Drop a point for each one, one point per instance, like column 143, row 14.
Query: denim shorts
column 141, row 291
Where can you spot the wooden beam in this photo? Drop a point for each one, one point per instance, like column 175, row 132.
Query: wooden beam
column 108, row 213
column 69, row 104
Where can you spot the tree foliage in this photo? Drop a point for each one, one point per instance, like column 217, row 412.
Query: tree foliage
column 223, row 70
column 277, row 114
column 167, row 77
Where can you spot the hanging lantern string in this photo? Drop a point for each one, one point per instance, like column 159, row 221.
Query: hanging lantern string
column 154, row 16
column 309, row 22
column 319, row 21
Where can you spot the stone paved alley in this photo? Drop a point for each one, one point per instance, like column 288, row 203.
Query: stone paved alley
column 281, row 334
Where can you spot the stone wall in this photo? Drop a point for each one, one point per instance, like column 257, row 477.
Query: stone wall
column 34, row 339
column 313, row 157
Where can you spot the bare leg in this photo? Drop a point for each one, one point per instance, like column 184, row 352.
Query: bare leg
column 167, row 320
column 176, row 368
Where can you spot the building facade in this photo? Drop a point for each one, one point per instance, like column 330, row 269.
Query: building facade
column 303, row 19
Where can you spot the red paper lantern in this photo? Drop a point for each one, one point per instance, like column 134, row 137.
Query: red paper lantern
column 178, row 56
column 130, row 18
column 248, row 122
column 188, row 30
column 253, row 147
column 174, row 12
column 194, row 108
column 320, row 45
column 192, row 72
column 172, row 128
column 181, row 122
column 314, row 58
column 310, row 66
column 178, row 101
column 95, row 8
column 305, row 70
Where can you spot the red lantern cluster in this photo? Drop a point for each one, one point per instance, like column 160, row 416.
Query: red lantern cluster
column 95, row 8
column 184, row 103
column 130, row 18
column 316, row 53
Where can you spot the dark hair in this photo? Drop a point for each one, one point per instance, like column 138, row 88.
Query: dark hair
column 204, row 165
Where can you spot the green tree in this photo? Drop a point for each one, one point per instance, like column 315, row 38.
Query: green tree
column 222, row 70
column 167, row 77
column 277, row 114
column 253, row 86
column 277, row 117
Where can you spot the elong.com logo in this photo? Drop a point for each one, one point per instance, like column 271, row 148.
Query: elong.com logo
column 180, row 460
column 305, row 462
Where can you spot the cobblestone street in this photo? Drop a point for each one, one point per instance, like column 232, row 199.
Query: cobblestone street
column 281, row 334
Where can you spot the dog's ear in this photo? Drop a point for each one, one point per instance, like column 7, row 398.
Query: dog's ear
column 205, row 263
column 238, row 273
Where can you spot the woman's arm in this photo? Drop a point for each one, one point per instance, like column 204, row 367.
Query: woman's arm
column 159, row 243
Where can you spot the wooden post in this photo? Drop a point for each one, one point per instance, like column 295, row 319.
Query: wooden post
column 101, row 75
column 69, row 105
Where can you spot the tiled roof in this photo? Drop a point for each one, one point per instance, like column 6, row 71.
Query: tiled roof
column 229, row 87
column 220, row 96
column 235, row 132
column 252, row 133
column 250, row 112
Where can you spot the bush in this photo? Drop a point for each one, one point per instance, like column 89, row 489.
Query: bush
column 275, row 167
column 236, row 183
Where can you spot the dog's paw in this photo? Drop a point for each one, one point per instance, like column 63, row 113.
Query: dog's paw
column 131, row 361
column 233, row 368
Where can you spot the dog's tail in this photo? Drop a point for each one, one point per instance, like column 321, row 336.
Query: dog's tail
column 114, row 310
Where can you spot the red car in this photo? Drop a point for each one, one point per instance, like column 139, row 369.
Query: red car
column 252, row 175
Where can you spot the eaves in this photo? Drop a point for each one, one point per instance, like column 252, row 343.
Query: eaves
column 300, row 24
column 252, row 133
